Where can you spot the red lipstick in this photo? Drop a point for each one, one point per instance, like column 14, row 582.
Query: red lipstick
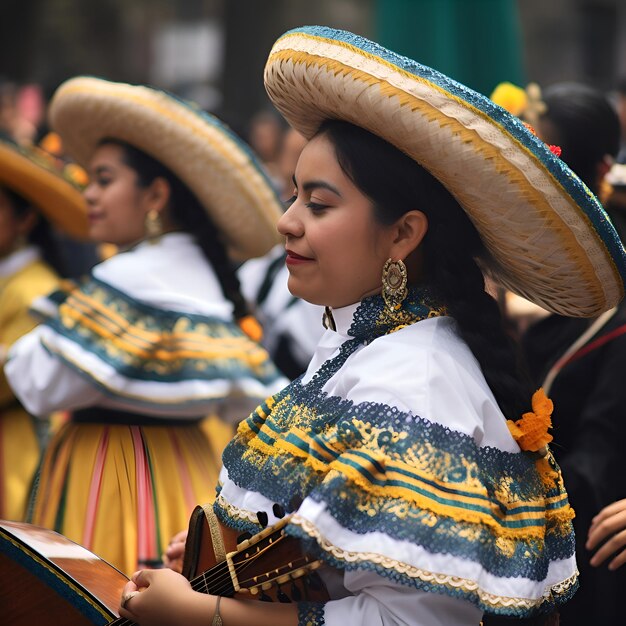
column 296, row 259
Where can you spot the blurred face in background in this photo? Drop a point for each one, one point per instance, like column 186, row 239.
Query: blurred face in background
column 293, row 144
column 265, row 136
column 117, row 205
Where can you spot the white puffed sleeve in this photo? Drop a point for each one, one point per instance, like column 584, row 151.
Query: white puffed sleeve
column 42, row 382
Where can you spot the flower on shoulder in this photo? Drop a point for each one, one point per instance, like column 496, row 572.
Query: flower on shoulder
column 251, row 327
column 531, row 431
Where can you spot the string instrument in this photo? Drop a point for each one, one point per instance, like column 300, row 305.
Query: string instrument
column 269, row 566
column 48, row 580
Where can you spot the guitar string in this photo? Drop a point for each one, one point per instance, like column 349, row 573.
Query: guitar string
column 295, row 560
column 202, row 581
column 224, row 577
column 196, row 585
column 244, row 581
column 239, row 567
column 122, row 621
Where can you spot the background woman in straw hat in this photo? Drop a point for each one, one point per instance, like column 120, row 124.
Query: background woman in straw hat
column 394, row 452
column 148, row 346
column 31, row 194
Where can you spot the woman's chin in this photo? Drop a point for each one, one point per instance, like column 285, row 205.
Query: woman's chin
column 297, row 290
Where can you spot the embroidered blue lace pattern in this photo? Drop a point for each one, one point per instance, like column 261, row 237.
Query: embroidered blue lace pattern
column 142, row 342
column 311, row 614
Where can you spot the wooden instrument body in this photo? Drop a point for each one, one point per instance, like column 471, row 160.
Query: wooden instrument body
column 48, row 580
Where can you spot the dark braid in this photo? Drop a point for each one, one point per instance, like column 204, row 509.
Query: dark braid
column 41, row 234
column 190, row 216
column 396, row 184
column 450, row 252
column 197, row 222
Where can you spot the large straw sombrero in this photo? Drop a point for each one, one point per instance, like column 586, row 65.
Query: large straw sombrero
column 548, row 238
column 36, row 178
column 216, row 166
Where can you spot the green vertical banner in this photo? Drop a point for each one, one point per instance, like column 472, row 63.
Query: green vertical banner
column 477, row 42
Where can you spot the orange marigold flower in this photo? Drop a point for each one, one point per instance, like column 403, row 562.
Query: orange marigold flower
column 76, row 174
column 52, row 143
column 531, row 431
column 251, row 327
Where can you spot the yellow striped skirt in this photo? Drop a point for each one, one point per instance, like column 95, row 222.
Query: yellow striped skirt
column 124, row 490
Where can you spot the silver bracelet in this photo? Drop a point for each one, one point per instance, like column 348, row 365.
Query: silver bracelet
column 217, row 618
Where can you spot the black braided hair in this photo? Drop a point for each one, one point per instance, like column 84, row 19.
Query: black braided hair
column 190, row 216
column 396, row 184
column 41, row 235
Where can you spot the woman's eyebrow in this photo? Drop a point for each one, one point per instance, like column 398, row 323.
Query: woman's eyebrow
column 102, row 169
column 316, row 184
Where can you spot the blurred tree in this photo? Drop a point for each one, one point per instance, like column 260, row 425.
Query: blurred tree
column 18, row 26
column 47, row 41
column 252, row 27
column 477, row 42
column 79, row 37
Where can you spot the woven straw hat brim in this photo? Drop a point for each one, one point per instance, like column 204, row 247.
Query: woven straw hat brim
column 217, row 167
column 59, row 201
column 548, row 238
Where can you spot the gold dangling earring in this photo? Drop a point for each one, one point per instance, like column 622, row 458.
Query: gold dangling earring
column 153, row 225
column 394, row 283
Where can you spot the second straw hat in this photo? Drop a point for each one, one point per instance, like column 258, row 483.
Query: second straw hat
column 36, row 177
column 211, row 160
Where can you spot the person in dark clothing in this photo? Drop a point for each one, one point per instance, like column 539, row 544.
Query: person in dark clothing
column 580, row 362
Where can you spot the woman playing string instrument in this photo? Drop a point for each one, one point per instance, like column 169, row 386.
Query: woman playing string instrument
column 411, row 456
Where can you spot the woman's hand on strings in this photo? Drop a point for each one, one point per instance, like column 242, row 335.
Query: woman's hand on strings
column 610, row 525
column 161, row 597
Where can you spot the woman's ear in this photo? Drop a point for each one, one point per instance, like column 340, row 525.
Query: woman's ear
column 408, row 232
column 157, row 195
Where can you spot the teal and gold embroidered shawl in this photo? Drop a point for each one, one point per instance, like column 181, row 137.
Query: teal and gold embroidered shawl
column 377, row 469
